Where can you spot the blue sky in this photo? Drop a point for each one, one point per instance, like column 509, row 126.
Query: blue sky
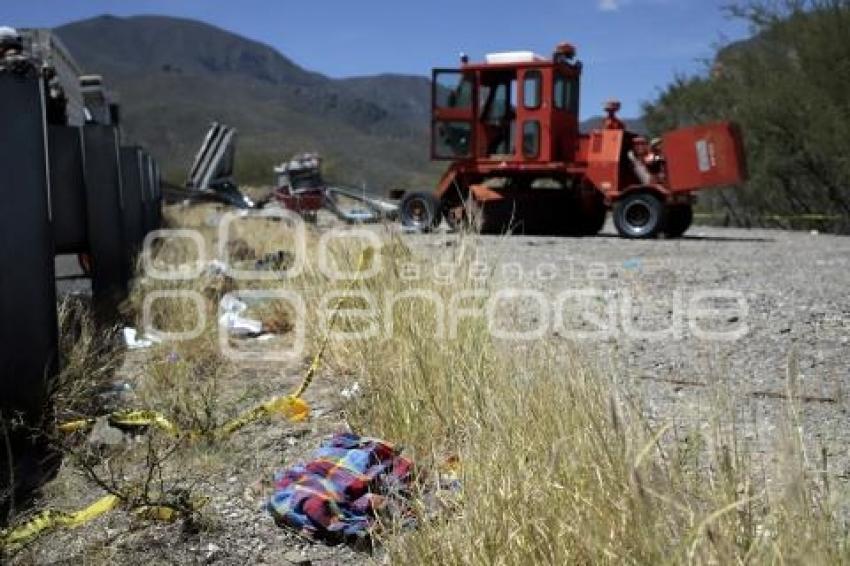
column 631, row 48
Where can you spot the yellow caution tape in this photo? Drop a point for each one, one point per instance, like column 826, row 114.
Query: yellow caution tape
column 365, row 260
column 50, row 520
column 290, row 407
column 74, row 426
column 136, row 419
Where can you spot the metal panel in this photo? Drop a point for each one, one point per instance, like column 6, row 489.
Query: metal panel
column 45, row 45
column 214, row 162
column 709, row 155
column 68, row 190
column 131, row 177
column 28, row 327
column 110, row 265
column 27, row 291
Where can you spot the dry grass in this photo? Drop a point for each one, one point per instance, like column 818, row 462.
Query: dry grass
column 556, row 465
column 559, row 467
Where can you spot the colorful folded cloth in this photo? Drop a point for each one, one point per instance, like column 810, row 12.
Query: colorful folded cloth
column 335, row 497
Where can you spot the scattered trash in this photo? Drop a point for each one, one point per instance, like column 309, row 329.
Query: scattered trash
column 231, row 318
column 216, row 267
column 134, row 341
column 633, row 264
column 335, row 497
column 276, row 261
column 351, row 392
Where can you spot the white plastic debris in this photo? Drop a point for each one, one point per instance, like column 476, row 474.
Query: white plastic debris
column 351, row 392
column 231, row 318
column 136, row 342
column 216, row 267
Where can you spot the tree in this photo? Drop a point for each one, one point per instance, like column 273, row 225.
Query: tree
column 789, row 89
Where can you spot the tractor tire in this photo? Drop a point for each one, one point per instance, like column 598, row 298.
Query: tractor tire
column 421, row 211
column 639, row 216
column 679, row 219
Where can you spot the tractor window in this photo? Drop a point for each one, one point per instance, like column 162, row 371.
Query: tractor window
column 452, row 89
column 531, row 138
column 502, row 101
column 561, row 93
column 532, row 88
column 565, row 94
column 452, row 139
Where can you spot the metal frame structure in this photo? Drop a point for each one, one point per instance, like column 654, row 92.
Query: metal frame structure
column 64, row 189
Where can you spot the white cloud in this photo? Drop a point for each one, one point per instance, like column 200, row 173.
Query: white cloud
column 608, row 5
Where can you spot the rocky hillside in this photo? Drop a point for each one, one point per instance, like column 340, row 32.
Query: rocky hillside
column 175, row 76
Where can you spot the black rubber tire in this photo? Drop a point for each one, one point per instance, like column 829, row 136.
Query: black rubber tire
column 679, row 219
column 639, row 216
column 421, row 211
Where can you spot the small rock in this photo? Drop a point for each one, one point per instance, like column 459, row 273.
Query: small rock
column 103, row 434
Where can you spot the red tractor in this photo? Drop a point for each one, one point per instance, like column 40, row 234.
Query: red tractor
column 519, row 162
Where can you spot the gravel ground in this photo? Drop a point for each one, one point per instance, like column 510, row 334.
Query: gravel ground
column 794, row 312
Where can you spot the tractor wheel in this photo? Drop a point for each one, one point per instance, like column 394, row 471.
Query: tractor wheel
column 421, row 211
column 679, row 219
column 639, row 216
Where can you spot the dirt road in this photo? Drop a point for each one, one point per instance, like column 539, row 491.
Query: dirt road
column 777, row 300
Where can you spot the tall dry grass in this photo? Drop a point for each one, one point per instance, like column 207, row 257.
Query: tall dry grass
column 557, row 465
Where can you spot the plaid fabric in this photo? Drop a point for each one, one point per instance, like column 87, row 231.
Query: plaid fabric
column 335, row 496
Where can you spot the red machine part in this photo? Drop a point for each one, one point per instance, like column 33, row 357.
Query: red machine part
column 704, row 156
column 301, row 201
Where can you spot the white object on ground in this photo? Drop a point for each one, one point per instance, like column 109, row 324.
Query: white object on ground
column 231, row 318
column 136, row 342
column 216, row 267
column 352, row 391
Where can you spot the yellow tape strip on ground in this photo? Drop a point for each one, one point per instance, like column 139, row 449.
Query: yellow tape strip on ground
column 49, row 520
column 365, row 259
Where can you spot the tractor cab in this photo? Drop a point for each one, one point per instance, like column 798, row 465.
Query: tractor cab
column 514, row 107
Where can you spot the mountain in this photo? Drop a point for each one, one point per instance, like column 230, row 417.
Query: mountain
column 175, row 76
